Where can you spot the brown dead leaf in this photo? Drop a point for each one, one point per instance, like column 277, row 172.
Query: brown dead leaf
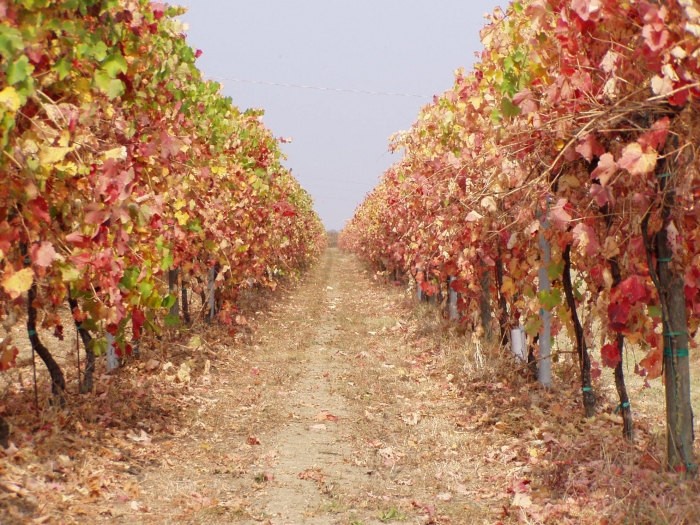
column 325, row 416
column 252, row 440
column 313, row 474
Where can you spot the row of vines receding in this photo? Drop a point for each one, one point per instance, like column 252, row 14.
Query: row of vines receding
column 568, row 154
column 127, row 179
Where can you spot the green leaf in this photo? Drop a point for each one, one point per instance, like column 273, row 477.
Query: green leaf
column 112, row 87
column 654, row 310
column 146, row 289
column 114, row 65
column 102, row 80
column 168, row 301
column 508, row 108
column 167, row 261
column 89, row 325
column 98, row 346
column 533, row 325
column 172, row 320
column 98, row 51
column 130, row 278
column 555, row 269
column 549, row 300
column 152, row 327
column 19, row 70
column 63, row 67
column 194, row 226
column 116, row 89
column 10, row 41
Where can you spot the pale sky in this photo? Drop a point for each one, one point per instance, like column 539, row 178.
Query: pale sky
column 340, row 139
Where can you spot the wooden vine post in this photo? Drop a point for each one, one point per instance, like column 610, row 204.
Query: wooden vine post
column 669, row 285
column 212, row 302
column 173, row 278
column 544, row 374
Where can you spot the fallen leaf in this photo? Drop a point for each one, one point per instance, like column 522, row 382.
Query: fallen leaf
column 143, row 437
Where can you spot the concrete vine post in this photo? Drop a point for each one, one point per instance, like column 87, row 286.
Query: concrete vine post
column 544, row 375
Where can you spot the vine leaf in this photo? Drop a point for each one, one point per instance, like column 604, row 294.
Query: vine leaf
column 16, row 283
column 610, row 355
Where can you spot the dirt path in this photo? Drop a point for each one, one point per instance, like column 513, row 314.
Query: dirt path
column 317, row 422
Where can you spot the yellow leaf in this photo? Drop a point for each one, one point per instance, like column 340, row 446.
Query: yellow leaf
column 571, row 181
column 70, row 274
column 50, row 155
column 182, row 217
column 16, row 283
column 638, row 161
column 10, row 98
column 116, row 153
column 508, row 287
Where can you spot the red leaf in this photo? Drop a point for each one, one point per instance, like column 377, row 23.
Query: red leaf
column 618, row 313
column 39, row 208
column 601, row 194
column 587, row 9
column 606, row 168
column 459, row 286
column 656, row 137
column 652, row 362
column 252, row 440
column 43, row 254
column 8, row 358
column 137, row 319
column 585, row 239
column 589, row 147
column 610, row 355
column 559, row 216
column 633, row 289
column 80, row 240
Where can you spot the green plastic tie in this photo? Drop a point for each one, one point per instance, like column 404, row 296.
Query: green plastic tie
column 663, row 175
column 681, row 352
column 27, row 260
column 587, row 389
column 665, row 260
column 31, row 332
column 674, row 334
column 622, row 405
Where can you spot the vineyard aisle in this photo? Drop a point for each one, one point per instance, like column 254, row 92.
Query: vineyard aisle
column 321, row 424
